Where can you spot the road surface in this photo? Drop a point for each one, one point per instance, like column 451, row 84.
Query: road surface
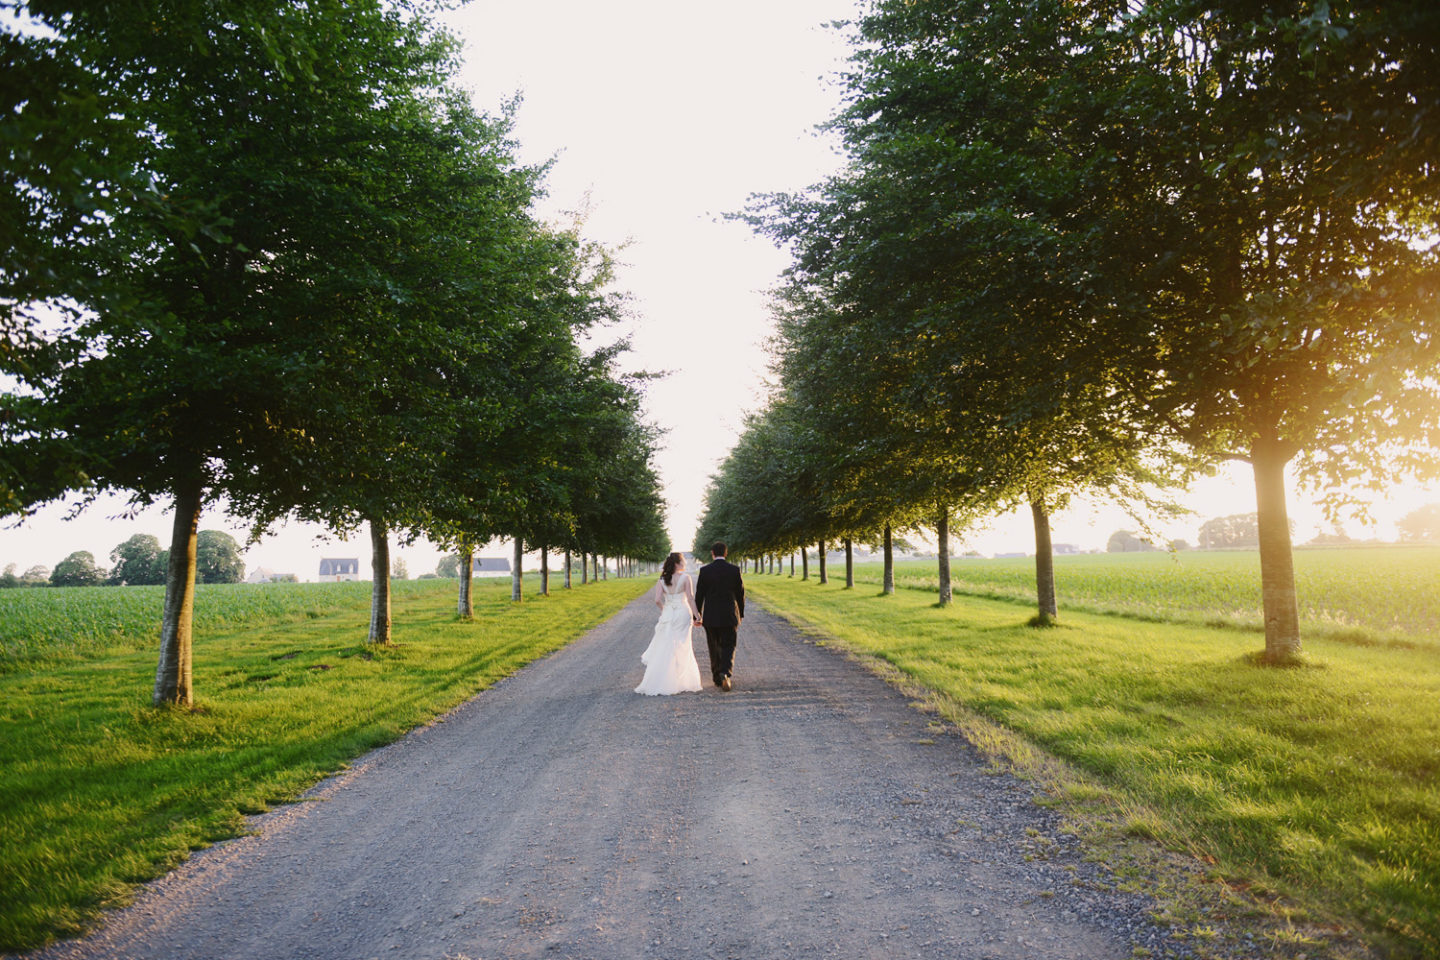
column 811, row 812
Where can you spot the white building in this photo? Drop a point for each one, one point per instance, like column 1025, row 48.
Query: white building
column 336, row 570
column 490, row 566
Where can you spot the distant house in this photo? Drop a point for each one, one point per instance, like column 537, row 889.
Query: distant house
column 266, row 575
column 1064, row 548
column 335, row 570
column 490, row 566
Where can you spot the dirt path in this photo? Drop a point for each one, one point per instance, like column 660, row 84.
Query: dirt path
column 809, row 813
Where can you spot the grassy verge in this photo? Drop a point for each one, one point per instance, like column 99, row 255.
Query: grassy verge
column 101, row 792
column 1317, row 783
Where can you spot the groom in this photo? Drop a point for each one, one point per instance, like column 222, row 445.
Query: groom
column 720, row 595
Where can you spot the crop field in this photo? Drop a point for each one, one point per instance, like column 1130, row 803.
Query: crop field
column 47, row 623
column 1365, row 594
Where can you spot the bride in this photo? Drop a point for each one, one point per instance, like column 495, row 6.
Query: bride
column 670, row 665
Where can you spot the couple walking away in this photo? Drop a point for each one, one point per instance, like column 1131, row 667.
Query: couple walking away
column 715, row 600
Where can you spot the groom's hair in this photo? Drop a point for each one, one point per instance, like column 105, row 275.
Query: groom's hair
column 718, row 548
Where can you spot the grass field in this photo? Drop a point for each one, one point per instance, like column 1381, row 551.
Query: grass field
column 101, row 792
column 49, row 624
column 1321, row 782
column 1369, row 594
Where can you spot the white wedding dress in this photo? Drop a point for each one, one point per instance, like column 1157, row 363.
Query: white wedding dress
column 670, row 665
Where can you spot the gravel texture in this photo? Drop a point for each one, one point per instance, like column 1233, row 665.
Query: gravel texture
column 811, row 812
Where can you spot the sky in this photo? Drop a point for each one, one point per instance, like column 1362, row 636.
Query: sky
column 661, row 119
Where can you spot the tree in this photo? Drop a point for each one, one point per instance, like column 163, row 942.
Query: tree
column 399, row 570
column 36, row 576
column 1421, row 525
column 934, row 278
column 217, row 558
column 448, row 567
column 1298, row 216
column 1125, row 541
column 315, row 153
column 1142, row 230
column 138, row 561
column 77, row 570
column 8, row 579
column 1236, row 530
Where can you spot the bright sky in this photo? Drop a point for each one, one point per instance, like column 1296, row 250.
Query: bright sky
column 664, row 117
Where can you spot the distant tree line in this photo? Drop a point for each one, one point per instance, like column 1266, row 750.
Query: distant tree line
column 271, row 255
column 139, row 561
column 1097, row 247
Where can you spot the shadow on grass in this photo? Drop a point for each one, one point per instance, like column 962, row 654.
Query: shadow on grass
column 1292, row 662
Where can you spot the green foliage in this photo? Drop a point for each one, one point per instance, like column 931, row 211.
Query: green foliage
column 1324, row 792
column 1095, row 251
column 101, row 792
column 77, row 570
column 342, row 309
column 138, row 561
column 448, row 567
column 217, row 558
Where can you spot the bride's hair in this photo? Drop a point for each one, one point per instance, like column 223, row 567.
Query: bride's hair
column 671, row 562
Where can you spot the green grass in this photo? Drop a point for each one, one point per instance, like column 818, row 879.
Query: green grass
column 101, row 792
column 1388, row 594
column 1321, row 782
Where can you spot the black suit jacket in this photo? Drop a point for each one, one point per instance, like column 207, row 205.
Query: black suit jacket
column 720, row 594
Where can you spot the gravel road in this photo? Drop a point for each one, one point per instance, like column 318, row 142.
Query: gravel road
column 811, row 812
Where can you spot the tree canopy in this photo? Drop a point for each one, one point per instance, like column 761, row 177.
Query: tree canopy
column 294, row 271
column 1097, row 247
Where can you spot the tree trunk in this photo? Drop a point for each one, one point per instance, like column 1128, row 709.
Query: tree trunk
column 820, row 559
column 584, row 567
column 604, row 568
column 517, row 593
column 942, row 532
column 1044, row 562
column 465, row 607
column 805, row 563
column 174, row 679
column 849, row 565
column 544, row 571
column 380, row 585
column 887, row 579
column 1277, row 561
column 567, row 568
column 792, row 564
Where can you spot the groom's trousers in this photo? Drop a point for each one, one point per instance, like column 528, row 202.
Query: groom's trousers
column 721, row 641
